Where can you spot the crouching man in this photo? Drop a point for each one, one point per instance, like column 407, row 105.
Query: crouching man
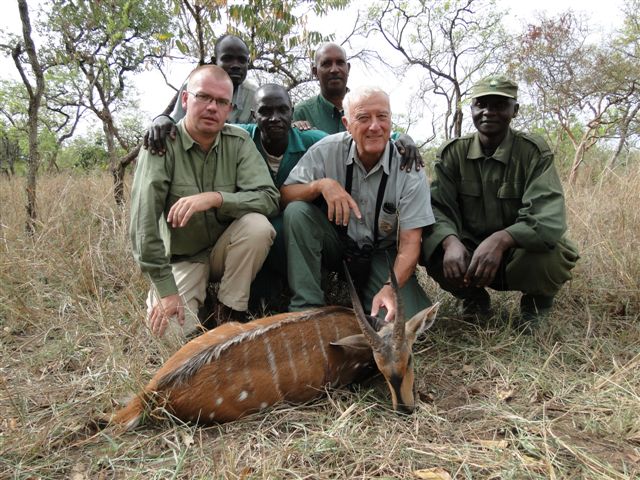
column 200, row 211
column 500, row 211
column 347, row 199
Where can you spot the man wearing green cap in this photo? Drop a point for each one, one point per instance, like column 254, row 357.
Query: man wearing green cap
column 500, row 211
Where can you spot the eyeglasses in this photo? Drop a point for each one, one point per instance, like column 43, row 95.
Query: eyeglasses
column 208, row 99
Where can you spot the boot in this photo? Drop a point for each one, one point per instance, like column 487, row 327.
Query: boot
column 534, row 309
column 476, row 302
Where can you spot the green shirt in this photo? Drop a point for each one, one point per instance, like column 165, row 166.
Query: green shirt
column 320, row 113
column 233, row 166
column 516, row 189
column 298, row 143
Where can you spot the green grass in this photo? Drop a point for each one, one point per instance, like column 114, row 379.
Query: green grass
column 562, row 403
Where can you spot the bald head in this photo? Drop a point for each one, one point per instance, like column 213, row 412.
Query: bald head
column 273, row 90
column 332, row 71
column 329, row 46
column 212, row 72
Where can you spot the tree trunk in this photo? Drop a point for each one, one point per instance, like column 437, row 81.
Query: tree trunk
column 627, row 118
column 118, row 171
column 35, row 97
column 578, row 158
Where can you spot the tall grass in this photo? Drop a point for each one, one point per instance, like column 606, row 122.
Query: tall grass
column 562, row 403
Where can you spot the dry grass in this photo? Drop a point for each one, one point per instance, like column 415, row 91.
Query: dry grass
column 562, row 403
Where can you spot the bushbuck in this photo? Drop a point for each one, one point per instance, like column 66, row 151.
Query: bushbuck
column 236, row 369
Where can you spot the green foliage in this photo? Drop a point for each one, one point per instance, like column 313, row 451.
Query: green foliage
column 56, row 118
column 105, row 43
column 587, row 88
column 276, row 32
column 86, row 152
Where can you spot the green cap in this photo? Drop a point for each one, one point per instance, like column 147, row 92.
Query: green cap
column 495, row 85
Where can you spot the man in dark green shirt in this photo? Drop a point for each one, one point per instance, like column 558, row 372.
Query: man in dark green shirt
column 324, row 111
column 500, row 211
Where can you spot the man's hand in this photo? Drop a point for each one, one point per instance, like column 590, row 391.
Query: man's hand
column 339, row 202
column 384, row 298
column 181, row 211
column 456, row 260
column 155, row 138
column 410, row 153
column 163, row 311
column 302, row 125
column 487, row 259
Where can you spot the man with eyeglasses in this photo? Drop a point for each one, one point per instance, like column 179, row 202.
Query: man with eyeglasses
column 199, row 211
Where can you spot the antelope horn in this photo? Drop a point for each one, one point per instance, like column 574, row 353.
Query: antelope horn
column 367, row 330
column 398, row 324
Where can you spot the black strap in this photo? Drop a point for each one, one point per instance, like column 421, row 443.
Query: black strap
column 381, row 189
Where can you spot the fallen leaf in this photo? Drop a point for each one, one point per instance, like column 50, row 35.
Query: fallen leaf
column 426, row 396
column 505, row 395
column 436, row 473
column 498, row 444
column 246, row 472
column 187, row 439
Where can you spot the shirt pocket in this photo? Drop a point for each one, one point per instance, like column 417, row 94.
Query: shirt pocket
column 387, row 224
column 197, row 222
column 510, row 197
column 471, row 205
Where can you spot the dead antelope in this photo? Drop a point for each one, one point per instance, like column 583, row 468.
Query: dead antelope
column 236, row 369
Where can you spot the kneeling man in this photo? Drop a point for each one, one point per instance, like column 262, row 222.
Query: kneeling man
column 347, row 199
column 201, row 211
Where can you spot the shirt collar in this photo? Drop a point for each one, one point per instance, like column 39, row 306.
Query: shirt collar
column 188, row 142
column 330, row 107
column 502, row 153
column 383, row 161
column 237, row 96
column 294, row 144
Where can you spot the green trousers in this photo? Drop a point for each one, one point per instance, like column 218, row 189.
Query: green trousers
column 312, row 243
column 532, row 273
column 271, row 280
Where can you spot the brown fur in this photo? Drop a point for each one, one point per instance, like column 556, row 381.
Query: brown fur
column 236, row 369
column 235, row 358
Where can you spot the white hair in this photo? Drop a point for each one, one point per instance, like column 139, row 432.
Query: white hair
column 356, row 94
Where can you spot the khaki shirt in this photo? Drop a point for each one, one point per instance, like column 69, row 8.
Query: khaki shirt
column 406, row 196
column 517, row 189
column 233, row 166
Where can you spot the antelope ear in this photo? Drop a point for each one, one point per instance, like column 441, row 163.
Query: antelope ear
column 421, row 321
column 357, row 342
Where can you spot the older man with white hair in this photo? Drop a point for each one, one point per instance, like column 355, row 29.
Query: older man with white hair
column 347, row 199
